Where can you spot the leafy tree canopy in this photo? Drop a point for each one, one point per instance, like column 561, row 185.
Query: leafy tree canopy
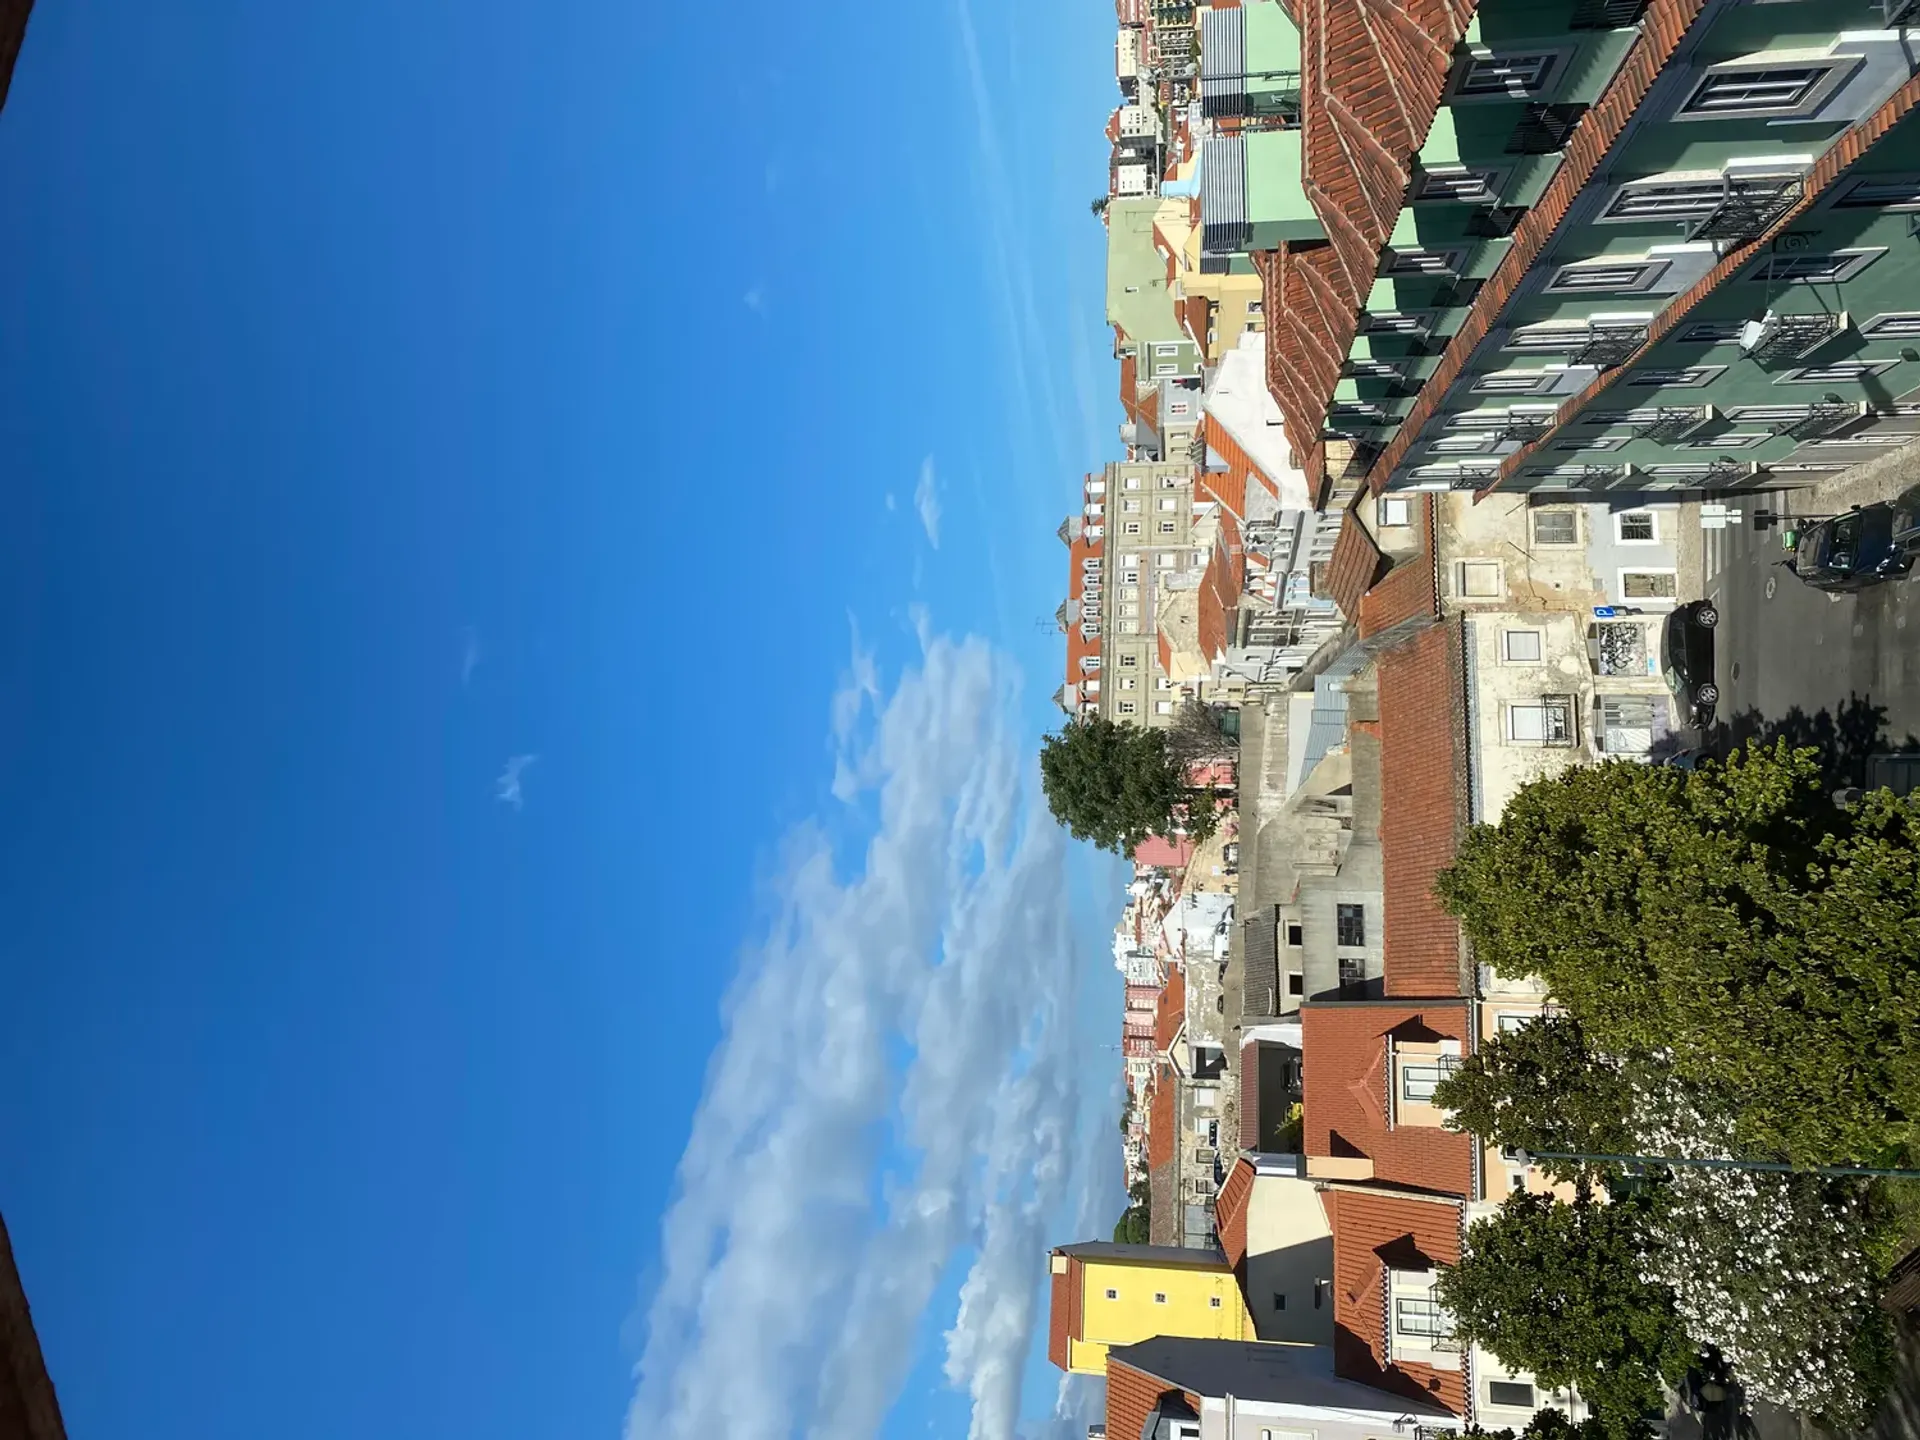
column 1541, row 1088
column 1554, row 1425
column 1115, row 785
column 1731, row 922
column 1552, row 1288
column 1135, row 1227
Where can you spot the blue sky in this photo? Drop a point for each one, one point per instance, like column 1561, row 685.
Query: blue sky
column 526, row 541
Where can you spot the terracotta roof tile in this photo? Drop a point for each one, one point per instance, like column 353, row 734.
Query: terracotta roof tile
column 1171, row 1012
column 1345, row 1092
column 1193, row 312
column 1131, row 1396
column 1410, row 592
column 1230, row 1212
column 1162, row 1120
column 1371, row 1228
column 1165, row 647
column 1221, row 585
column 1355, row 565
column 1423, row 808
column 1230, row 486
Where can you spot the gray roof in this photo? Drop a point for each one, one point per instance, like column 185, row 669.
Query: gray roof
column 1158, row 1254
column 1250, row 1370
column 1327, row 728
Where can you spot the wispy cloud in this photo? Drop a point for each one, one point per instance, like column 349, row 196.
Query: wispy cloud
column 830, row 1182
column 755, row 300
column 893, row 501
column 506, row 789
column 926, row 500
column 469, row 654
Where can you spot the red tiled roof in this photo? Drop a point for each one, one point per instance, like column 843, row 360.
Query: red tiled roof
column 1354, row 567
column 1131, row 1396
column 1230, row 1212
column 1063, row 1314
column 1410, row 591
column 1220, row 588
column 1250, row 1095
column 1370, row 1231
column 1345, row 1085
column 1423, row 808
column 1113, row 126
column 1162, row 1119
column 1165, row 647
column 1240, row 469
column 1172, row 1009
column 1193, row 318
column 1148, row 410
column 1129, row 382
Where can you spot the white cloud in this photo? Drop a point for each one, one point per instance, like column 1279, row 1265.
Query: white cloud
column 506, row 788
column 926, row 499
column 894, row 1091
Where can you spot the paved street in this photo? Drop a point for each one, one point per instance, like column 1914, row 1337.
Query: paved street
column 1839, row 672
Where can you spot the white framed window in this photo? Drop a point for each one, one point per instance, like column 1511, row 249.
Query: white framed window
column 1660, row 586
column 1167, row 527
column 1129, row 610
column 1893, row 325
column 1129, row 661
column 1766, row 414
column 1556, row 527
column 1255, row 307
column 1166, row 561
column 1129, row 682
column 1594, row 442
column 1133, row 482
column 1546, row 721
column 1170, row 482
column 1711, row 332
column 1736, row 440
column 1163, row 707
column 1129, row 592
column 1129, row 627
column 1159, row 1297
column 1516, row 382
column 1845, row 372
column 1213, row 1302
column 1782, row 87
column 1166, row 352
column 1467, row 444
column 1113, row 1294
column 1680, row 195
column 1478, row 579
column 1127, row 707
column 1880, row 192
column 1392, row 323
column 1424, row 262
column 1520, row 647
column 1548, row 336
column 1636, row 527
column 1804, row 269
column 1458, row 183
column 1373, row 370
column 1630, row 274
column 1132, row 527
column 1161, row 682
column 1676, row 377
column 1395, row 510
column 1130, row 507
column 1505, row 77
column 1514, row 1394
column 1169, row 503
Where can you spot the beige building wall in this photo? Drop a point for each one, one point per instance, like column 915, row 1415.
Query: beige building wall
column 1149, row 536
column 1289, row 1261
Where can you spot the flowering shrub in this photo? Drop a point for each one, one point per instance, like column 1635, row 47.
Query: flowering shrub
column 1768, row 1268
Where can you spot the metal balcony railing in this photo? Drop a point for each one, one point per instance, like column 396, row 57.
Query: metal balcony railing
column 1747, row 207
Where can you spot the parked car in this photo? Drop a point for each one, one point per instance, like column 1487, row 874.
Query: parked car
column 1868, row 544
column 1686, row 659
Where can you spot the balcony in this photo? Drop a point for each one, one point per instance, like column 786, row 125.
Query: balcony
column 1747, row 207
column 1606, row 14
column 1610, row 343
column 1673, row 422
column 1821, row 419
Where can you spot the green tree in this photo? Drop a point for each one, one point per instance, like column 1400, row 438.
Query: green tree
column 1541, row 1088
column 1732, row 922
column 1118, row 784
column 1555, row 1288
column 1554, row 1425
column 1135, row 1227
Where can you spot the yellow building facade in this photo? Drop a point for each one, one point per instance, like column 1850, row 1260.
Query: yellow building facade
column 1105, row 1295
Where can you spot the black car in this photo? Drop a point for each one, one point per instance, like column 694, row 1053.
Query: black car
column 1686, row 659
column 1866, row 545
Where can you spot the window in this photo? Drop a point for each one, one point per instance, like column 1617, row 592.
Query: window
column 1457, row 183
column 1133, row 482
column 1132, row 527
column 1296, row 983
column 1461, row 444
column 1254, row 307
column 1767, row 414
column 1556, row 527
column 1847, row 372
column 1213, row 1302
column 1549, row 336
column 1159, row 1297
column 1127, row 707
column 1423, row 262
column 1744, row 88
column 1479, row 580
column 1129, row 592
column 1128, row 662
column 1353, row 972
column 1636, row 527
column 1680, row 377
column 1130, row 507
column 1129, row 682
column 1166, row 562
column 1604, row 275
column 1626, row 724
column 1419, row 1081
column 1657, row 198
column 1372, row 370
column 1515, row 1393
column 1163, row 707
column 1620, row 648
column 1129, row 609
column 1319, row 1293
column 1166, row 352
column 1893, row 325
column 1501, row 76
column 1421, row 1317
column 1350, row 924
column 1162, row 683
column 1520, row 647
column 1395, row 510
column 1169, row 482
column 1593, row 442
column 1506, row 1022
column 1295, row 935
column 1794, row 269
column 1279, row 1301
column 1390, row 324
column 1881, row 192
column 1516, row 382
column 1113, row 1294
column 1711, row 332
column 1167, row 527
column 1169, row 502
column 1648, row 585
column 1547, row 721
